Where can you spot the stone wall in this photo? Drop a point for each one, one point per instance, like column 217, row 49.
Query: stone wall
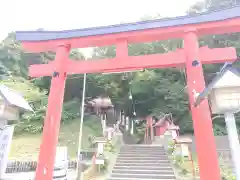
column 221, row 142
column 223, row 149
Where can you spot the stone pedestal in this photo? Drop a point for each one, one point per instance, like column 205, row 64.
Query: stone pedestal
column 100, row 141
column 182, row 147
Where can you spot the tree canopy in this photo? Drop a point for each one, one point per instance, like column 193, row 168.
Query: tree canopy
column 153, row 91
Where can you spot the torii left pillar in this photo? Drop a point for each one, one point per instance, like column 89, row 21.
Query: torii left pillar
column 52, row 120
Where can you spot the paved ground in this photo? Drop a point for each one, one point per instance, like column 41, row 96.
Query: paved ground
column 30, row 175
column 127, row 138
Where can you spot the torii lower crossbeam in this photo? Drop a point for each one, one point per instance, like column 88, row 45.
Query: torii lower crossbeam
column 128, row 63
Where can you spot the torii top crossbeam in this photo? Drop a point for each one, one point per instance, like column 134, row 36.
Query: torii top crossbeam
column 216, row 22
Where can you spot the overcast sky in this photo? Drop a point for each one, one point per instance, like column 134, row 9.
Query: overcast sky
column 74, row 14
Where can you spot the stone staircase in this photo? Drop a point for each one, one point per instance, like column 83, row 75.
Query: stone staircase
column 142, row 162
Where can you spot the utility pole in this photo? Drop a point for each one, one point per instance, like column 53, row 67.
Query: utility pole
column 79, row 163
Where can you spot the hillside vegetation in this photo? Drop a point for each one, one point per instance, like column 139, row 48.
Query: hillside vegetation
column 154, row 91
column 26, row 145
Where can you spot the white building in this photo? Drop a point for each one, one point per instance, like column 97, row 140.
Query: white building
column 11, row 105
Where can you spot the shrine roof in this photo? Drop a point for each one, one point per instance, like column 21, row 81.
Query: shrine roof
column 13, row 98
column 101, row 102
column 220, row 15
column 210, row 86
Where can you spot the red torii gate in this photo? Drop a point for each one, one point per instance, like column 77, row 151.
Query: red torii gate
column 192, row 57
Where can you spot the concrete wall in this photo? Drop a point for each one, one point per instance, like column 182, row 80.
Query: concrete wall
column 222, row 146
column 221, row 142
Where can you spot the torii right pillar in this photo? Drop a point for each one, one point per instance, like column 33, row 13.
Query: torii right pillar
column 202, row 122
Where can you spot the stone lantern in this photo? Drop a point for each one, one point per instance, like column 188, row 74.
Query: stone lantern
column 182, row 146
column 100, row 141
column 174, row 130
column 11, row 105
column 109, row 133
column 224, row 97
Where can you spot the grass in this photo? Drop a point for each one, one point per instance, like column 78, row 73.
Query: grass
column 26, row 146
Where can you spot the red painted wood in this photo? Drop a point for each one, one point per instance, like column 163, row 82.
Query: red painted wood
column 127, row 63
column 122, row 50
column 52, row 120
column 160, row 130
column 218, row 27
column 203, row 130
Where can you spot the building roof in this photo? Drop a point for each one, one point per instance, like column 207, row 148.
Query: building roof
column 13, row 98
column 213, row 16
column 101, row 102
column 207, row 90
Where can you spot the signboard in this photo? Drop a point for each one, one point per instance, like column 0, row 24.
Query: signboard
column 5, row 144
column 225, row 99
column 61, row 163
column 99, row 161
column 61, row 155
column 185, row 150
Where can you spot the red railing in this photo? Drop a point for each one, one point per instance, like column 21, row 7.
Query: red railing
column 149, row 134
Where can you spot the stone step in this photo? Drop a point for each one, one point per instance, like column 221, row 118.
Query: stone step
column 157, row 147
column 160, row 141
column 143, row 176
column 144, row 147
column 126, row 178
column 135, row 154
column 144, row 164
column 142, row 155
column 145, row 171
column 144, row 152
column 147, row 150
column 148, row 146
column 152, row 153
column 140, row 168
column 143, row 160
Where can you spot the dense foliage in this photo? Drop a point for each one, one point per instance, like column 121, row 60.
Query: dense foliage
column 153, row 91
